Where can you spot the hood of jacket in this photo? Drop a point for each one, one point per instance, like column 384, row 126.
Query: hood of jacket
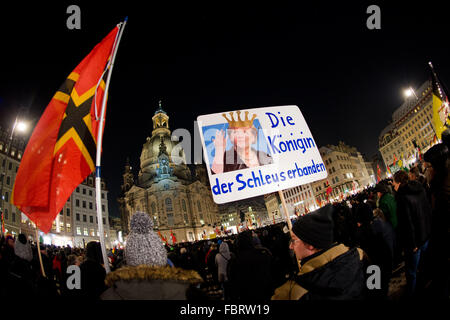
column 412, row 187
column 146, row 282
column 224, row 250
column 337, row 273
column 23, row 251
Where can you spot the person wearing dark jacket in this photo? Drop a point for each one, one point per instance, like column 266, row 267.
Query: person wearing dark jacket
column 21, row 275
column 329, row 271
column 376, row 237
column 45, row 286
column 92, row 272
column 387, row 203
column 414, row 223
column 437, row 163
column 251, row 271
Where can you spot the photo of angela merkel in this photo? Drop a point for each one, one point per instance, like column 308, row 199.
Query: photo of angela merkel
column 242, row 135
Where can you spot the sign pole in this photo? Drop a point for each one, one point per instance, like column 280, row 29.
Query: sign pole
column 283, row 203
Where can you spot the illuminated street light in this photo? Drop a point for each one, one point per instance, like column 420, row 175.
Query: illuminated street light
column 22, row 126
column 409, row 92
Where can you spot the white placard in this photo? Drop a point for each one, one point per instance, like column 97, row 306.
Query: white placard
column 252, row 152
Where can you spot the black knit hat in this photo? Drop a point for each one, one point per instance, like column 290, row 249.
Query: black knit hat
column 382, row 187
column 316, row 228
column 437, row 155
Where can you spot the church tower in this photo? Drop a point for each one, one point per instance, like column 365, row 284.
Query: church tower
column 128, row 179
column 179, row 203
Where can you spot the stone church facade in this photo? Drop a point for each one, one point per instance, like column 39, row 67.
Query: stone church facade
column 178, row 198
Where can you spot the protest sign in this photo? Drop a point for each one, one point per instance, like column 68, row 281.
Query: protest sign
column 257, row 151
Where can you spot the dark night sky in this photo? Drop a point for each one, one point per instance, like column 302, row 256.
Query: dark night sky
column 207, row 57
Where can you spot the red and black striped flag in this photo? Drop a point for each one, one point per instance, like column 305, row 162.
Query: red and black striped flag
column 62, row 149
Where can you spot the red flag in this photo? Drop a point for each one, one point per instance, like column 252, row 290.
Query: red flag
column 378, row 173
column 174, row 239
column 395, row 160
column 3, row 224
column 62, row 149
column 319, row 202
column 162, row 237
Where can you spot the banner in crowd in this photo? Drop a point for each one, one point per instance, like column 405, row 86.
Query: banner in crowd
column 257, row 151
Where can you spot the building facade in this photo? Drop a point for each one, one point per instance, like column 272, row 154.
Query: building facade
column 84, row 213
column 176, row 197
column 11, row 152
column 77, row 223
column 411, row 127
column 348, row 172
column 300, row 199
column 251, row 213
column 66, row 229
column 273, row 206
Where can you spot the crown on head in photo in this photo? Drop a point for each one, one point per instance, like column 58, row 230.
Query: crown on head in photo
column 233, row 124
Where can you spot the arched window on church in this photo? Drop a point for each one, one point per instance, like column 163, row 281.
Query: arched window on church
column 169, row 207
column 153, row 208
column 199, row 206
column 183, row 205
column 170, row 221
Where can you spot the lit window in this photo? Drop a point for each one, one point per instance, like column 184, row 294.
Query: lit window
column 78, row 230
column 85, row 231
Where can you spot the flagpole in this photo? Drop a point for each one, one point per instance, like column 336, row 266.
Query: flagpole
column 99, row 147
column 39, row 252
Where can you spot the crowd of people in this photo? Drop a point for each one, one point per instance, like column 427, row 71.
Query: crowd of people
column 400, row 224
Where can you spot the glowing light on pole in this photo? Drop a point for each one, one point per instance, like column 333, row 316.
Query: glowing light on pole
column 409, row 92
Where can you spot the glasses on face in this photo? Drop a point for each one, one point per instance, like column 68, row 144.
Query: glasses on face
column 292, row 241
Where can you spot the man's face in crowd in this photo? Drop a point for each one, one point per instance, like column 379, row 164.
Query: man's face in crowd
column 301, row 249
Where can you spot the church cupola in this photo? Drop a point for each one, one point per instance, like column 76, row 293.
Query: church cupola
column 160, row 121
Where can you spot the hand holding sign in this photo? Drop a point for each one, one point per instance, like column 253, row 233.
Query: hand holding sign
column 220, row 143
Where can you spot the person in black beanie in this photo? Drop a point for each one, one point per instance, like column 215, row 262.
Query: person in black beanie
column 329, row 271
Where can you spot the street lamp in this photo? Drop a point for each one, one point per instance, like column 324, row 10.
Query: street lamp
column 21, row 126
column 409, row 92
